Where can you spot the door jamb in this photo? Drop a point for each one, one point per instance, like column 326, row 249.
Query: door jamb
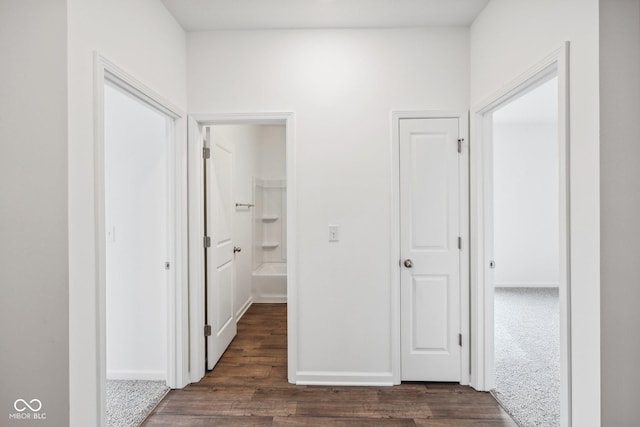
column 463, row 123
column 196, row 231
column 482, row 357
column 177, row 309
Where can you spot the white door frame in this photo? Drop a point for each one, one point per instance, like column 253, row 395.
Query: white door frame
column 196, row 231
column 177, row 292
column 463, row 120
column 482, row 319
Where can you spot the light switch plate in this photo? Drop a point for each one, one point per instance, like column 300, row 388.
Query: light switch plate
column 334, row 232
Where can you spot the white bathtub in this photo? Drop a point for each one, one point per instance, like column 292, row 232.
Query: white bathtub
column 270, row 283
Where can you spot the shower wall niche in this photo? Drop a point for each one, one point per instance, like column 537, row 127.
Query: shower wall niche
column 270, row 233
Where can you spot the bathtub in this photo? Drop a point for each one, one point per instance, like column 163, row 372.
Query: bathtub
column 270, row 282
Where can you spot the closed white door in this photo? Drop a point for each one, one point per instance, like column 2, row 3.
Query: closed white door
column 220, row 260
column 430, row 265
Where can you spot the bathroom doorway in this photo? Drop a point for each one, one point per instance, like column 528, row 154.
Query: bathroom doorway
column 245, row 220
column 242, row 165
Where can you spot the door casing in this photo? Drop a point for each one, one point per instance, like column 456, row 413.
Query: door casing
column 482, row 319
column 463, row 120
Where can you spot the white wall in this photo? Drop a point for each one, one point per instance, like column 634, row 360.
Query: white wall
column 342, row 86
column 506, row 39
column 136, row 220
column 620, row 209
column 525, row 195
column 34, row 274
column 246, row 142
column 144, row 39
column 273, row 152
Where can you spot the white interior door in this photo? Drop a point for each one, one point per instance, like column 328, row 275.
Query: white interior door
column 220, row 260
column 430, row 265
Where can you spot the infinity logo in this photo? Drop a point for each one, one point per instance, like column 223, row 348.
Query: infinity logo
column 21, row 405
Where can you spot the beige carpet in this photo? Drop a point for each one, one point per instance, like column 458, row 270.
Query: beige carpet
column 527, row 355
column 130, row 402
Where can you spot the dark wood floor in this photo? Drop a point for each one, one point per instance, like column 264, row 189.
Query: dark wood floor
column 249, row 387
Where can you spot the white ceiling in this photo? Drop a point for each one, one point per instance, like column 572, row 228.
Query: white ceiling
column 203, row 15
column 538, row 106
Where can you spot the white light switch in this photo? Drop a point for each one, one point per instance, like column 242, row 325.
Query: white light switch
column 334, row 233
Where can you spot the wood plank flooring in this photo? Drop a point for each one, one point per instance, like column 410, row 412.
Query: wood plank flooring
column 249, row 387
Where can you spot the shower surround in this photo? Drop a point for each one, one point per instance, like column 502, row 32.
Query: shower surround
column 269, row 276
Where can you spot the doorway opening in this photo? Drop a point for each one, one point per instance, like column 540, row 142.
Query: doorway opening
column 245, row 218
column 526, row 256
column 138, row 253
column 521, row 261
column 241, row 175
column 140, row 233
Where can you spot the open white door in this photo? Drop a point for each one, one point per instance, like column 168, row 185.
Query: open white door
column 220, row 269
column 430, row 249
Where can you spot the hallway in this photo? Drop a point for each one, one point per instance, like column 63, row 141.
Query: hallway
column 249, row 387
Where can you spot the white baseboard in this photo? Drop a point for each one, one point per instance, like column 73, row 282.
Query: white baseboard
column 137, row 375
column 344, row 378
column 527, row 285
column 244, row 309
column 270, row 299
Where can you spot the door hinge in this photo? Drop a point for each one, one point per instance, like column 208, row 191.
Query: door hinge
column 206, row 152
column 167, row 265
column 460, row 340
column 206, row 241
column 460, row 141
column 207, row 330
column 460, row 243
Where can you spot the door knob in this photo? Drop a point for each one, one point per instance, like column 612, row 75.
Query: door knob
column 408, row 263
column 237, row 249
